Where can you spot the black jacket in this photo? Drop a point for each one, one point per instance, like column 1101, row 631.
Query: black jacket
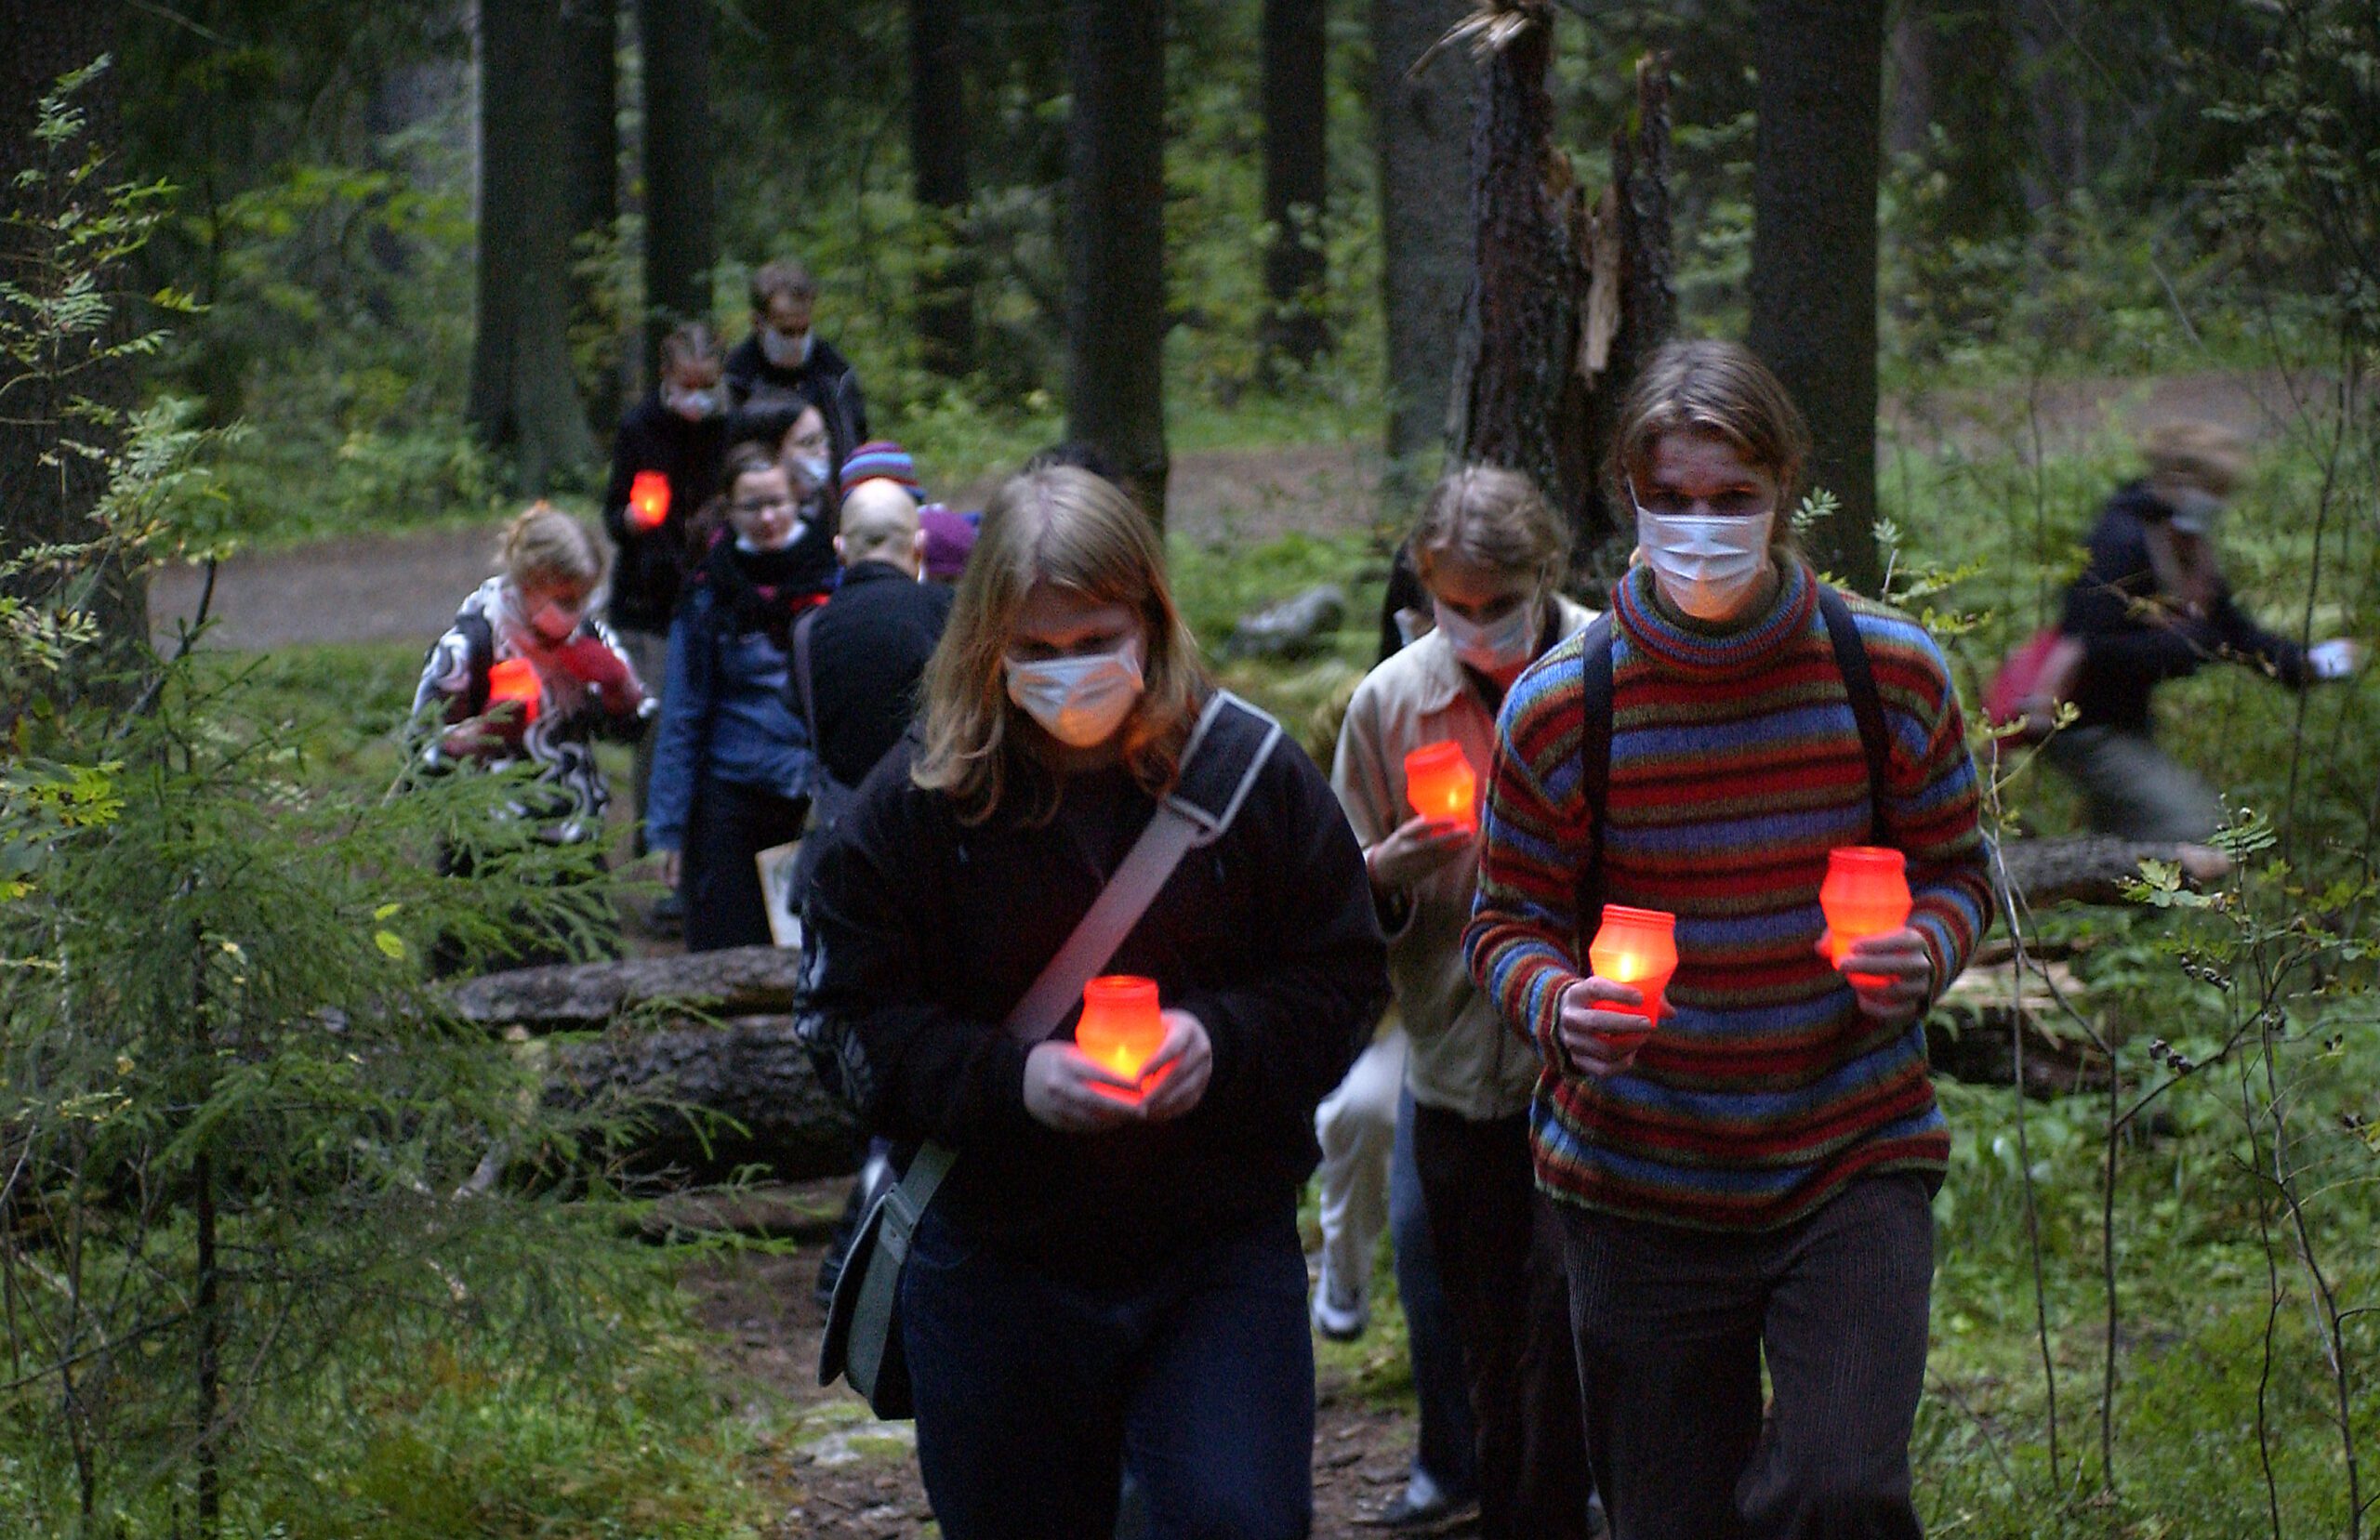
column 868, row 648
column 2127, row 648
column 925, row 932
column 653, row 564
column 826, row 379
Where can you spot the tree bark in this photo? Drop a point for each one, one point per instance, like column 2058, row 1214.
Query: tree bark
column 46, row 491
column 938, row 169
column 743, row 981
column 1422, row 126
column 1814, row 164
column 1115, row 308
column 523, row 394
column 1296, row 108
column 680, row 243
column 712, row 1101
column 588, row 99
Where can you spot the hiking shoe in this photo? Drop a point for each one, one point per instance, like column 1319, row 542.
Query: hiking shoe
column 1423, row 1508
column 1341, row 1308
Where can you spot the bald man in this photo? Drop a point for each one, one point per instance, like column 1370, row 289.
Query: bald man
column 858, row 660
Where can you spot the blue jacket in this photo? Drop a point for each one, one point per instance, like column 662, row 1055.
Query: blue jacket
column 723, row 717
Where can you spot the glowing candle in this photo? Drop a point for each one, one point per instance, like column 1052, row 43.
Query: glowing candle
column 1637, row 947
column 1866, row 893
column 515, row 680
column 1439, row 783
column 1121, row 1027
column 648, row 500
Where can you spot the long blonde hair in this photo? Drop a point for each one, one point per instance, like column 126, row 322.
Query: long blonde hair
column 544, row 541
column 1079, row 533
column 1497, row 519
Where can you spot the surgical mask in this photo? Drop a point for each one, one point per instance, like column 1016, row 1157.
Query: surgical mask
column 1497, row 647
column 553, row 622
column 786, row 352
column 692, row 405
column 2195, row 511
column 812, row 469
column 1705, row 563
column 1080, row 702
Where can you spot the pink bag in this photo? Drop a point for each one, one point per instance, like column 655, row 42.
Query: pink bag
column 2030, row 684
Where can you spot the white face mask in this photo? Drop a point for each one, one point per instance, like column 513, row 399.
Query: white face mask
column 553, row 622
column 811, row 469
column 1705, row 563
column 2195, row 511
column 1497, row 647
column 1080, row 702
column 786, row 352
column 692, row 405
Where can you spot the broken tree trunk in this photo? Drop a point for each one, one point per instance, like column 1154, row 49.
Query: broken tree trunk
column 1567, row 297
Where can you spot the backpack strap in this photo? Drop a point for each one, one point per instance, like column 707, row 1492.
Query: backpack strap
column 802, row 680
column 1867, row 706
column 478, row 657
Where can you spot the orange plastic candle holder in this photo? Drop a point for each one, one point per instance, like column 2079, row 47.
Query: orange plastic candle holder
column 1440, row 784
column 1636, row 947
column 1121, row 1027
column 648, row 500
column 1866, row 893
column 515, row 680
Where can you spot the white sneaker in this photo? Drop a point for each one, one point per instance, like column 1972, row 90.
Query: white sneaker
column 1343, row 1307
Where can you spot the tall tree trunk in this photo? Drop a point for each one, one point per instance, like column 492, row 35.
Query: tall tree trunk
column 1115, row 313
column 48, row 491
column 679, row 212
column 1296, row 108
column 588, row 63
column 938, row 168
column 1814, row 164
column 523, row 395
column 1422, row 128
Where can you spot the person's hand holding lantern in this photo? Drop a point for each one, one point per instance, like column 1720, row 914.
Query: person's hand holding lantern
column 514, row 694
column 1130, row 1063
column 1606, row 1016
column 1866, row 900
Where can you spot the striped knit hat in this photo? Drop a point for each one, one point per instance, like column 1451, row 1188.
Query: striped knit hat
column 881, row 459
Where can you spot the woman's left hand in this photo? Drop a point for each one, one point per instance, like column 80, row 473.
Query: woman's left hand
column 1901, row 960
column 1176, row 1075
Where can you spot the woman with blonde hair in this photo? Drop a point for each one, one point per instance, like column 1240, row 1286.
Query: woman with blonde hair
column 1747, row 1184
column 1110, row 1276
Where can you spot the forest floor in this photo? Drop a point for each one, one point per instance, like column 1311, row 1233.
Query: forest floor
column 837, row 1473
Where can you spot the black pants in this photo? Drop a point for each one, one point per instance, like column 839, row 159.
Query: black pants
column 718, row 882
column 1500, row 1258
column 1673, row 1325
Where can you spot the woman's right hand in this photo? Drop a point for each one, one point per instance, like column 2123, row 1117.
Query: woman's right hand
column 1602, row 1043
column 1059, row 1082
column 1418, row 847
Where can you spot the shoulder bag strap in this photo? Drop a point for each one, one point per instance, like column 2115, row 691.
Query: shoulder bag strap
column 1227, row 751
column 1867, row 706
column 1594, row 764
column 801, row 671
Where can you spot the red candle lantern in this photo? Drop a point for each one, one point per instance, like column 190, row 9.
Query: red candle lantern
column 1636, row 947
column 515, row 680
column 1866, row 893
column 1439, row 783
column 1121, row 1027
column 648, row 500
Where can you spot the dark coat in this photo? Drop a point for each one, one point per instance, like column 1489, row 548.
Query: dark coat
column 2128, row 649
column 653, row 564
column 869, row 648
column 826, row 379
column 924, row 933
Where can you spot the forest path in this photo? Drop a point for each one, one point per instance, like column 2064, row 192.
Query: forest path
column 403, row 586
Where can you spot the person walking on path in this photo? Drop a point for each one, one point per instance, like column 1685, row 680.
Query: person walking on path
column 676, row 434
column 2153, row 605
column 733, row 769
column 1110, row 1276
column 1489, row 553
column 785, row 360
column 1750, row 1184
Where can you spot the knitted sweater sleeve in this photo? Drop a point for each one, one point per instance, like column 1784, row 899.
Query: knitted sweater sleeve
column 1932, row 794
column 1536, row 835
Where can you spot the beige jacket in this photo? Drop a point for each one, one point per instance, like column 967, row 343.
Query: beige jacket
column 1463, row 1059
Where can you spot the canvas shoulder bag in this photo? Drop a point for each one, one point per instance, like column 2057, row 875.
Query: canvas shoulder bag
column 1228, row 750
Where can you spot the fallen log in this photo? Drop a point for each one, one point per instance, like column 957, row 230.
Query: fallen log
column 2093, row 868
column 743, row 981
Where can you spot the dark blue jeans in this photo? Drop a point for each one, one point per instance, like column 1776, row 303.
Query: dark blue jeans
column 1447, row 1448
column 1031, row 1390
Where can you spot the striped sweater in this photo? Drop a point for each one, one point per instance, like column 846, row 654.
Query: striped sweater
column 1736, row 765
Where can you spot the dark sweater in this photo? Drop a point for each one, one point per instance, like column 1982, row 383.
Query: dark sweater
column 868, row 648
column 653, row 564
column 926, row 932
column 2127, row 649
column 826, row 379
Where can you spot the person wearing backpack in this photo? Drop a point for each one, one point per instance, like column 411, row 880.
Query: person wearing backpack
column 1751, row 1182
column 1109, row 1273
column 1489, row 555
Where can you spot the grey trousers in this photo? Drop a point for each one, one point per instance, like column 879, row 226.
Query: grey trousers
column 649, row 654
column 1672, row 1327
column 2135, row 789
